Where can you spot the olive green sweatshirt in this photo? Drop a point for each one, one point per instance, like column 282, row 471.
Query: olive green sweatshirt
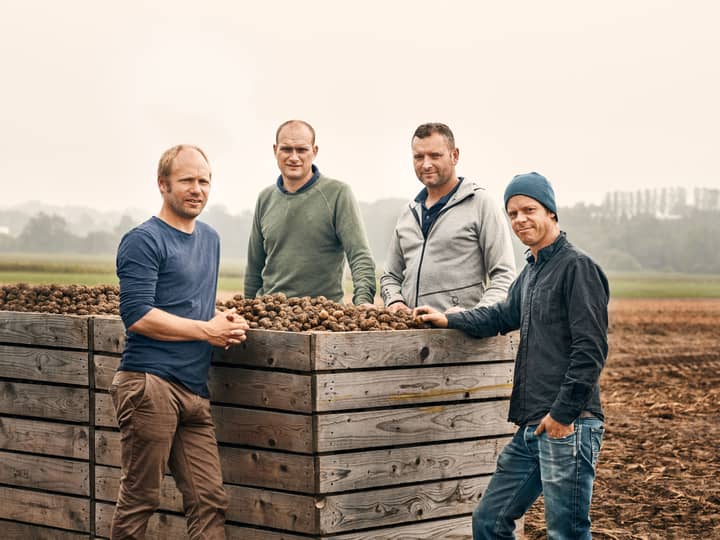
column 299, row 240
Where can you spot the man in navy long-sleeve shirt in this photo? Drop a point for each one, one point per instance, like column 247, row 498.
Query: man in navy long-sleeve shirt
column 168, row 270
column 559, row 304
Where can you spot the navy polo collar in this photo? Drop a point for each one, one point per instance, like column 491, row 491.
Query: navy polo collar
column 307, row 185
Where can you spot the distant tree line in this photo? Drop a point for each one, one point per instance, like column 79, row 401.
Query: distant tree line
column 652, row 230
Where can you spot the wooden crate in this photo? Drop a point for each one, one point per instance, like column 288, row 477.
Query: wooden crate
column 337, row 436
column 382, row 435
column 45, row 427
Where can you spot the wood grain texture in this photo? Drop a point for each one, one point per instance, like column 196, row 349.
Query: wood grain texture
column 12, row 530
column 105, row 368
column 49, row 365
column 247, row 466
column 49, row 509
column 389, row 427
column 47, row 473
column 265, row 429
column 378, row 468
column 353, row 350
column 285, row 511
column 450, row 529
column 108, row 334
column 375, row 508
column 44, row 330
column 390, row 388
column 270, row 349
column 44, row 401
column 47, row 438
column 259, row 388
column 171, row 527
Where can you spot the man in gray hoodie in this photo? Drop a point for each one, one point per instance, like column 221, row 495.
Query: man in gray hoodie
column 451, row 247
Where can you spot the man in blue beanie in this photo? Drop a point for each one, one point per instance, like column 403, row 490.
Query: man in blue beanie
column 559, row 304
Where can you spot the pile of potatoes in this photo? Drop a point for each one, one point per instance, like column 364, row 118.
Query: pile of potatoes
column 65, row 299
column 277, row 312
column 271, row 312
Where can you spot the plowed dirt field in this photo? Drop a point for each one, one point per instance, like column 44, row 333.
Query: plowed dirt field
column 659, row 469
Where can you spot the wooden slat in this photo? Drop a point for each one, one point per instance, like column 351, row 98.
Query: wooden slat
column 353, row 350
column 51, row 474
column 105, row 368
column 171, row 527
column 377, row 468
column 267, row 469
column 247, row 505
column 376, row 508
column 49, row 509
column 237, row 386
column 251, row 467
column 50, row 365
column 256, row 388
column 268, row 348
column 266, row 429
column 12, row 530
column 42, row 329
column 108, row 334
column 44, row 437
column 388, row 427
column 44, row 401
column 389, row 388
column 455, row 529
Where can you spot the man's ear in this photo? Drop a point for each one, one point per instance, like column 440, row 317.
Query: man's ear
column 455, row 155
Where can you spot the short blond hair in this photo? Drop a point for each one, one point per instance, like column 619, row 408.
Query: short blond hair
column 168, row 158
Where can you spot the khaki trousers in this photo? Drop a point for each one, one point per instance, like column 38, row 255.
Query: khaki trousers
column 163, row 423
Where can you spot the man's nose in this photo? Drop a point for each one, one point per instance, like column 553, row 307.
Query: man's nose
column 427, row 163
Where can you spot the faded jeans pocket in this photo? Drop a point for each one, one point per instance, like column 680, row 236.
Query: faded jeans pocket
column 596, row 435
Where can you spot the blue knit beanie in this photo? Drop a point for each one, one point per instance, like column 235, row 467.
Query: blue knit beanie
column 532, row 185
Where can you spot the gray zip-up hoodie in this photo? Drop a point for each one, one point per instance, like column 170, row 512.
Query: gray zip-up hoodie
column 466, row 260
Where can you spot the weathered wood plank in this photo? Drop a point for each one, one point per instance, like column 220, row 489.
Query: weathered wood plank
column 374, row 508
column 390, row 388
column 266, row 429
column 388, row 427
column 105, row 368
column 255, row 388
column 237, row 386
column 377, row 468
column 12, row 530
column 44, row 401
column 269, row 348
column 250, row 467
column 44, row 437
column 250, row 506
column 52, row 474
column 267, row 469
column 50, row 365
column 351, row 350
column 49, row 509
column 455, row 529
column 108, row 334
column 44, row 330
column 170, row 527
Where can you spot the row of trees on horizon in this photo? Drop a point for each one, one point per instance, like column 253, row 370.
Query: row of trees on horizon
column 651, row 230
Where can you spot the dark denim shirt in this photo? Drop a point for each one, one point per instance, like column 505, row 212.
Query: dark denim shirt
column 559, row 304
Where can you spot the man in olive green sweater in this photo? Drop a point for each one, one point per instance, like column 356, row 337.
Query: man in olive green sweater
column 304, row 226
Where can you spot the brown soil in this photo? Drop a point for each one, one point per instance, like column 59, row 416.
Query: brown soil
column 659, row 469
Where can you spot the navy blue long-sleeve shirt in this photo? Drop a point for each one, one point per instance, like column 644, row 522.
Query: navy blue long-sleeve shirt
column 162, row 267
column 559, row 304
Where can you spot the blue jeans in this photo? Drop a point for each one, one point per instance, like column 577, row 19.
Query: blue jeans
column 562, row 470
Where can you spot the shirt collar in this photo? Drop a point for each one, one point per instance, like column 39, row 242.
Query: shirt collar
column 422, row 196
column 307, row 185
column 548, row 251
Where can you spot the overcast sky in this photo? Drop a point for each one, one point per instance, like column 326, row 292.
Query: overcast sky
column 598, row 96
